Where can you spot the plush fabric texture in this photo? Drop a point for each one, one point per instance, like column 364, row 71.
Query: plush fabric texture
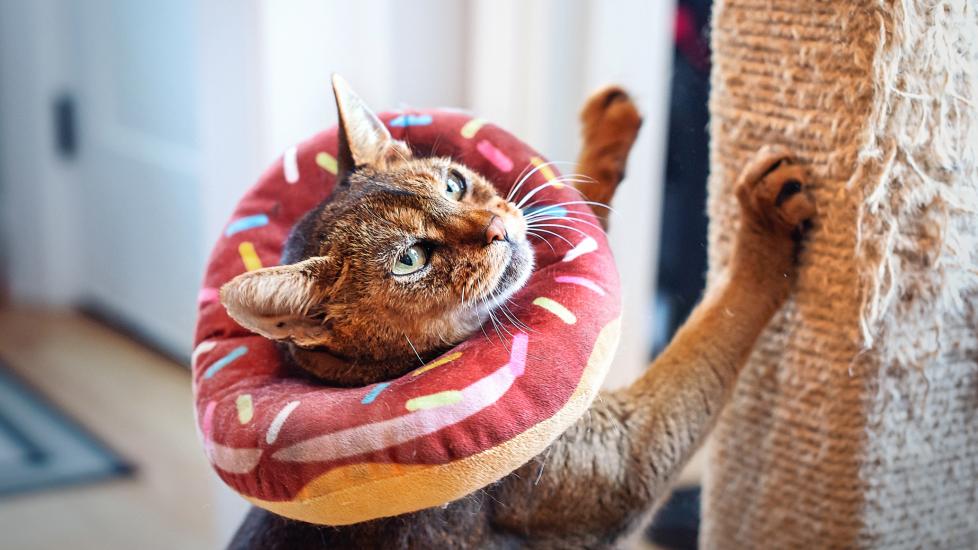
column 855, row 422
column 343, row 455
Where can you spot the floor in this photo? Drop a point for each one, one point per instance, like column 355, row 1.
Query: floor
column 136, row 401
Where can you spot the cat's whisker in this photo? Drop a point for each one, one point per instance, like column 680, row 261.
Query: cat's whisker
column 545, row 241
column 559, row 182
column 561, row 237
column 414, row 349
column 589, row 203
column 524, row 179
column 531, row 205
column 581, row 231
column 505, row 311
column 566, row 218
column 484, row 333
column 501, row 324
column 512, row 317
column 556, row 218
column 495, row 322
column 520, row 179
column 543, row 463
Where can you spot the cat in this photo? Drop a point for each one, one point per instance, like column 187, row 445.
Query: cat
column 357, row 275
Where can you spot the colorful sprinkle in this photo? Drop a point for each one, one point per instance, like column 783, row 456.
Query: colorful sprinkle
column 327, row 162
column 580, row 281
column 246, row 408
column 246, row 223
column 435, row 400
column 517, row 355
column 495, row 156
column 557, row 309
column 207, row 425
column 471, row 127
column 206, row 295
column 552, row 211
column 232, row 460
column 547, row 172
column 249, row 256
column 437, row 363
column 202, row 347
column 369, row 398
column 410, row 120
column 279, row 421
column 290, row 165
column 584, row 247
column 225, row 361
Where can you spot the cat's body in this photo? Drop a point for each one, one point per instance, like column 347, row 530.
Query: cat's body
column 605, row 473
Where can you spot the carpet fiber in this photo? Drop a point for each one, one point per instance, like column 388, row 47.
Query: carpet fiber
column 41, row 448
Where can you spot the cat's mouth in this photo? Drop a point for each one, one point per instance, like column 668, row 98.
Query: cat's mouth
column 514, row 275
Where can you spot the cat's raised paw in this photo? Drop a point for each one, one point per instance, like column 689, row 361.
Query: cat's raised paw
column 772, row 190
column 610, row 115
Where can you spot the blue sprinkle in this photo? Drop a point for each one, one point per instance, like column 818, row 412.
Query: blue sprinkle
column 225, row 361
column 410, row 120
column 369, row 398
column 555, row 211
column 248, row 222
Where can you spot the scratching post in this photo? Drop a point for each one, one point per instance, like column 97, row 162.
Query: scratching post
column 855, row 422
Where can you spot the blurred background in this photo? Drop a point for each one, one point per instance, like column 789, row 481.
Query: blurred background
column 128, row 130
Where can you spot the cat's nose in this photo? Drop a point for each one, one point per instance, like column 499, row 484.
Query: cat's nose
column 496, row 231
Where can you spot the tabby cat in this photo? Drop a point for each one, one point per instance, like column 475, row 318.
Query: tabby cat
column 410, row 255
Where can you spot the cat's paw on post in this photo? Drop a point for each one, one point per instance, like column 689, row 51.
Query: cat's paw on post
column 776, row 212
column 771, row 190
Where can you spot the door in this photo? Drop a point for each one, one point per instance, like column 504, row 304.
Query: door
column 139, row 222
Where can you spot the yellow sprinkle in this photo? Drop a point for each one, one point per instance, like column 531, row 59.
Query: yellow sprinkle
column 557, row 309
column 246, row 409
column 546, row 171
column 249, row 256
column 327, row 162
column 437, row 363
column 440, row 399
column 471, row 127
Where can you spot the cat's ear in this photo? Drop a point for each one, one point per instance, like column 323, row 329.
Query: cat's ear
column 281, row 302
column 363, row 138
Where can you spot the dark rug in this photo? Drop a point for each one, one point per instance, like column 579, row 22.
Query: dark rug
column 41, row 447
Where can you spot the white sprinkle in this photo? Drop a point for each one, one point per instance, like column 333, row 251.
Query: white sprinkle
column 582, row 248
column 279, row 421
column 290, row 165
column 202, row 347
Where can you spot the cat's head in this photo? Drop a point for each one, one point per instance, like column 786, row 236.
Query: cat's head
column 405, row 258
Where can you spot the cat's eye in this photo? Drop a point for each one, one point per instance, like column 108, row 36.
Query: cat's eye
column 455, row 186
column 411, row 260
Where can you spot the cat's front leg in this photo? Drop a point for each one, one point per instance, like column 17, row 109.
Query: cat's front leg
column 608, row 470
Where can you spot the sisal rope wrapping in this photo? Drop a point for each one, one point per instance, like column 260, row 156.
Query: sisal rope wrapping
column 855, row 423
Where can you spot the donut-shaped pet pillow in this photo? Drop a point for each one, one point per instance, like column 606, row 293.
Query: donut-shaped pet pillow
column 336, row 456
